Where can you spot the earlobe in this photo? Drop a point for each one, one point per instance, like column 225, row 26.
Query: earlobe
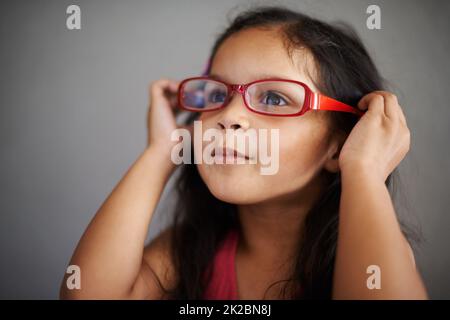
column 332, row 163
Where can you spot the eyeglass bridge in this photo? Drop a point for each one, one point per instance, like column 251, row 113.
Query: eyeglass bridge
column 239, row 88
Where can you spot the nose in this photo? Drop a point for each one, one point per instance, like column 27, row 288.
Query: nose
column 235, row 114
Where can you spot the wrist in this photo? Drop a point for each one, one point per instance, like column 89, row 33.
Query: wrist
column 361, row 170
column 159, row 158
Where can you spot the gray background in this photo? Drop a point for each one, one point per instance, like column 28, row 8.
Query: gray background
column 73, row 107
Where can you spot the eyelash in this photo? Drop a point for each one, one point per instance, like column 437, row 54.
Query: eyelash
column 266, row 94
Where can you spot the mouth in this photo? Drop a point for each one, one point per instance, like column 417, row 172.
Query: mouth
column 228, row 153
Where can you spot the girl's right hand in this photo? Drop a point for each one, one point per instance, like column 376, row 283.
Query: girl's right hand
column 161, row 114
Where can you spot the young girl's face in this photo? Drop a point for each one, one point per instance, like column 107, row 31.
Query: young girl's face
column 304, row 145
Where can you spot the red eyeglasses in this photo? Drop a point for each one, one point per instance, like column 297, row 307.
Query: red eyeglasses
column 272, row 97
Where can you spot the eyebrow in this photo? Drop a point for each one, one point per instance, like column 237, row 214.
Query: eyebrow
column 259, row 77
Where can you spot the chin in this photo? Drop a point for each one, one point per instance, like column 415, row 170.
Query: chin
column 231, row 184
column 231, row 195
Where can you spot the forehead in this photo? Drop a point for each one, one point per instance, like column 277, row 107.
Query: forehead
column 254, row 54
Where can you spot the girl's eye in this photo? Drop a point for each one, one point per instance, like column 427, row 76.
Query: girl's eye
column 217, row 96
column 274, row 99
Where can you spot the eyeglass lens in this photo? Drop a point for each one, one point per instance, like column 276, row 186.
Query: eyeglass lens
column 273, row 97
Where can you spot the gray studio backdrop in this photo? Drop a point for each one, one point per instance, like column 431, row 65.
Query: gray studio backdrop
column 73, row 106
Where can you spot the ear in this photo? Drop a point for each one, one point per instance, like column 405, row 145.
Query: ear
column 332, row 161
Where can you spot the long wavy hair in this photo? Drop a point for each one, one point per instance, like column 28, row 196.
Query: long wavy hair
column 346, row 72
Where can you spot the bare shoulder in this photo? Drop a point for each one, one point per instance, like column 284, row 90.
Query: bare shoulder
column 157, row 271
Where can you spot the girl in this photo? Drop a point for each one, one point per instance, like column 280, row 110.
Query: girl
column 323, row 226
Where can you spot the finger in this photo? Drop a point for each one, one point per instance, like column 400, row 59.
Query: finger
column 174, row 85
column 402, row 115
column 164, row 90
column 391, row 107
column 172, row 93
column 172, row 97
column 161, row 85
column 373, row 103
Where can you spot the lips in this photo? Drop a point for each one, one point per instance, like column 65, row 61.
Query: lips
column 228, row 152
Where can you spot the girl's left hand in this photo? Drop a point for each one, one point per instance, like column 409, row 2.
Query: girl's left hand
column 380, row 139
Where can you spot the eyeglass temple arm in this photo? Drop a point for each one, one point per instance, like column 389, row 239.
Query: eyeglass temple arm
column 322, row 102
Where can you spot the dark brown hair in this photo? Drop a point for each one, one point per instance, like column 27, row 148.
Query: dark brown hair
column 345, row 72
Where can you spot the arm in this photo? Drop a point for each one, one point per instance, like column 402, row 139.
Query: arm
column 110, row 253
column 369, row 233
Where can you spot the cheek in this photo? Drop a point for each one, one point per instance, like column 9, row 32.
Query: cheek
column 300, row 156
column 302, row 153
column 299, row 151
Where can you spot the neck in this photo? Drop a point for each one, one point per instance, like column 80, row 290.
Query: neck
column 271, row 230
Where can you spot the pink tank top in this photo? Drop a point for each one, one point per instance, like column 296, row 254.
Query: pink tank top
column 223, row 283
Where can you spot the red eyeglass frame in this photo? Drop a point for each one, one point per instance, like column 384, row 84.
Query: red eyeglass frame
column 313, row 100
